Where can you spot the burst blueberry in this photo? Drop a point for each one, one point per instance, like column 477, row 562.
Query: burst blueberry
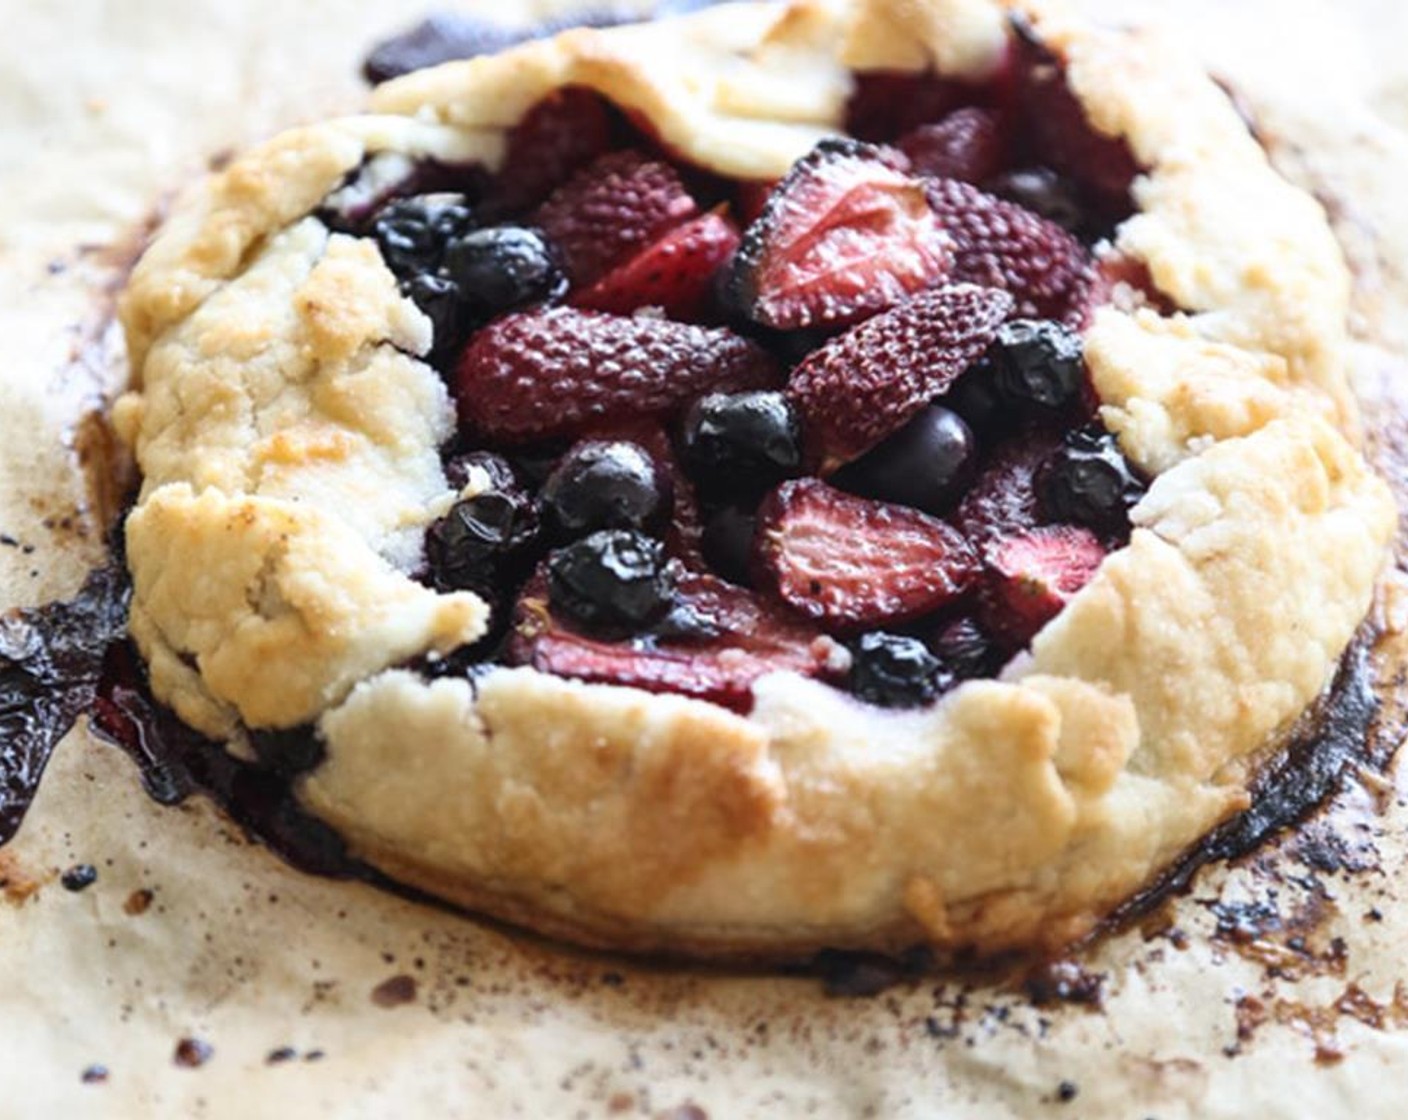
column 613, row 583
column 741, row 443
column 1038, row 368
column 896, row 671
column 1088, row 482
column 501, row 268
column 605, row 484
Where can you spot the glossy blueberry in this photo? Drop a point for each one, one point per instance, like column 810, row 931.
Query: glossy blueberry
column 413, row 233
column 896, row 671
column 975, row 398
column 927, row 464
column 727, row 543
column 612, row 583
column 440, row 300
column 482, row 468
column 1043, row 192
column 1038, row 367
column 482, row 539
column 501, row 268
column 741, row 444
column 605, row 484
column 1088, row 482
column 966, row 650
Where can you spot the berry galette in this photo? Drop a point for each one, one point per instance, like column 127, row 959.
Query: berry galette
column 792, row 476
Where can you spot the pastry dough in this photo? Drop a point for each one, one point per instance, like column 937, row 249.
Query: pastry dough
column 287, row 437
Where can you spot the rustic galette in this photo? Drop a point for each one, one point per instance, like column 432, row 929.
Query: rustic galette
column 793, row 476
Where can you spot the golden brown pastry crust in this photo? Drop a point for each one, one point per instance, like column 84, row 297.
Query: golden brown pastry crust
column 288, row 457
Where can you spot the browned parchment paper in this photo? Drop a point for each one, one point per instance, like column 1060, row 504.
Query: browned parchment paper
column 1271, row 990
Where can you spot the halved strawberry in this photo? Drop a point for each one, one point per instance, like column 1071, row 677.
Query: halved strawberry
column 855, row 563
column 554, row 372
column 1002, row 500
column 1001, row 245
column 611, row 210
column 726, row 639
column 565, row 131
column 969, row 144
column 1033, row 574
column 861, row 387
column 1059, row 133
column 846, row 234
column 675, row 273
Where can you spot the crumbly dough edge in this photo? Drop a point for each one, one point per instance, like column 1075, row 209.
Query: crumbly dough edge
column 1014, row 811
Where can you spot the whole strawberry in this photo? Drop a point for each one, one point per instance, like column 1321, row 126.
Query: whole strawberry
column 1000, row 245
column 611, row 210
column 859, row 388
column 555, row 372
column 855, row 563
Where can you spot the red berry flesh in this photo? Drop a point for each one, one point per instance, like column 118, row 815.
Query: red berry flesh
column 855, row 563
column 846, row 234
column 1032, row 575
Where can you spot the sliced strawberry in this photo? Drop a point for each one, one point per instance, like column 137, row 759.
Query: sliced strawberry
column 675, row 273
column 1059, row 133
column 969, row 144
column 565, row 131
column 855, row 563
column 611, row 210
column 1032, row 575
column 859, row 388
column 727, row 638
column 845, row 235
column 1002, row 500
column 554, row 372
column 1001, row 245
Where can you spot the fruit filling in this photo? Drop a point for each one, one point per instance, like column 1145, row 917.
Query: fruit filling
column 837, row 425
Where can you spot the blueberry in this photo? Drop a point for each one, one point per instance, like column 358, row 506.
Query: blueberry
column 483, row 468
column 974, row 397
column 1087, row 481
column 482, row 540
column 503, row 267
column 413, row 233
column 1043, row 192
column 1038, row 369
column 966, row 650
column 927, row 464
column 727, row 543
column 741, row 444
column 440, row 300
column 612, row 583
column 895, row 671
column 605, row 484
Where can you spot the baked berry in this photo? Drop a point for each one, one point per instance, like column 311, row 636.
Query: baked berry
column 1043, row 192
column 1087, row 481
column 502, row 268
column 482, row 539
column 1000, row 245
column 482, row 469
column 896, row 671
column 1032, row 575
column 553, row 372
column 966, row 650
column 741, row 443
column 727, row 543
column 969, row 144
column 926, row 464
column 614, row 582
column 439, row 299
column 974, row 397
column 412, row 233
column 863, row 386
column 605, row 484
column 1037, row 367
column 846, row 233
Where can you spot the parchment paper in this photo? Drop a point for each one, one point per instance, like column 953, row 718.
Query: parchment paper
column 1270, row 990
